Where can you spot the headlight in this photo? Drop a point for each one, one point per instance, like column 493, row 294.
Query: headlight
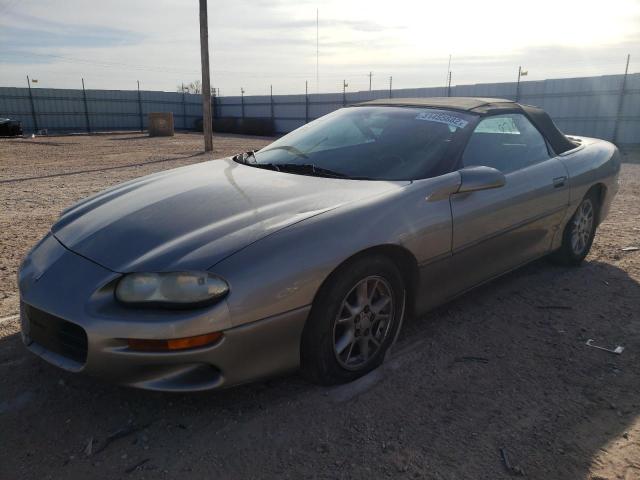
column 175, row 288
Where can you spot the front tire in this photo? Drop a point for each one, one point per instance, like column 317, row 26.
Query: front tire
column 579, row 233
column 354, row 320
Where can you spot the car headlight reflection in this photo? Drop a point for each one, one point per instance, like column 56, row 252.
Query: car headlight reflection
column 174, row 288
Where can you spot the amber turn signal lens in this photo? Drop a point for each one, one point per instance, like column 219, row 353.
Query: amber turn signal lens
column 174, row 343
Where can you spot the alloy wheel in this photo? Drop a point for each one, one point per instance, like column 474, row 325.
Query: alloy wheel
column 363, row 322
column 582, row 228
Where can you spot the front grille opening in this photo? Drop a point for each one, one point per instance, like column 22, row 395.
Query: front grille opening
column 57, row 335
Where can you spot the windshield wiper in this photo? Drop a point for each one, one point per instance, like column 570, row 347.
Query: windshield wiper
column 310, row 169
column 266, row 166
column 296, row 151
column 301, row 169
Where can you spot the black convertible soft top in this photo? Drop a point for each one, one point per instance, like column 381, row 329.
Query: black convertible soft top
column 487, row 106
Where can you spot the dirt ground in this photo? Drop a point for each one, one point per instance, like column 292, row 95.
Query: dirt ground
column 503, row 367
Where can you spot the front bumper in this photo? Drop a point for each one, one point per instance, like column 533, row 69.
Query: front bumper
column 65, row 296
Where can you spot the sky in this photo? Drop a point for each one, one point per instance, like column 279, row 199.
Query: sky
column 258, row 43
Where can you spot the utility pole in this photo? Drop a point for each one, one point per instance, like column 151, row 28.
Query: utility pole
column 620, row 99
column 370, row 75
column 390, row 86
column 207, row 121
column 344, row 93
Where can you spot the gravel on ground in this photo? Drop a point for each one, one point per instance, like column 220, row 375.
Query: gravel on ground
column 496, row 384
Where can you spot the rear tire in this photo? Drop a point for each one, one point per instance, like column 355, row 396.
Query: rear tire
column 354, row 320
column 579, row 232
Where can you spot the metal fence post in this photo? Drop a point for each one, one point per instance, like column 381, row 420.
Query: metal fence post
column 33, row 107
column 271, row 104
column 86, row 108
column 214, row 99
column 390, row 86
column 214, row 110
column 621, row 101
column 306, row 101
column 184, row 109
column 242, row 101
column 344, row 93
column 140, row 108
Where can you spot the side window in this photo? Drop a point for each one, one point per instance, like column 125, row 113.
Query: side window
column 506, row 142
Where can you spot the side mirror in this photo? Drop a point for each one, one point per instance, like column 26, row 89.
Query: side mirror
column 473, row 179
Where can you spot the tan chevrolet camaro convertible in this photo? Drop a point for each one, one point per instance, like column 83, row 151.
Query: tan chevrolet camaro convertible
column 309, row 253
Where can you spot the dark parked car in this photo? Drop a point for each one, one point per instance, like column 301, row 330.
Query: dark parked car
column 10, row 128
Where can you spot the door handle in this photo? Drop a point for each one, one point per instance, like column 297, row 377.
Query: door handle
column 559, row 182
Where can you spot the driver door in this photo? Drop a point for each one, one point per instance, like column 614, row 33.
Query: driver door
column 497, row 230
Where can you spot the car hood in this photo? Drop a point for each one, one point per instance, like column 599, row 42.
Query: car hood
column 193, row 217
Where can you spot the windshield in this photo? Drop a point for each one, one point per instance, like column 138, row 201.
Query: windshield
column 378, row 143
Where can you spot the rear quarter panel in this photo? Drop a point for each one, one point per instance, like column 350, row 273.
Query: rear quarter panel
column 594, row 162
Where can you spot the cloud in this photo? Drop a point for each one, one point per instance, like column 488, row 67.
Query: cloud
column 13, row 38
column 255, row 43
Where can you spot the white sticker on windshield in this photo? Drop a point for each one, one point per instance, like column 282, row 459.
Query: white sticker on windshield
column 442, row 118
